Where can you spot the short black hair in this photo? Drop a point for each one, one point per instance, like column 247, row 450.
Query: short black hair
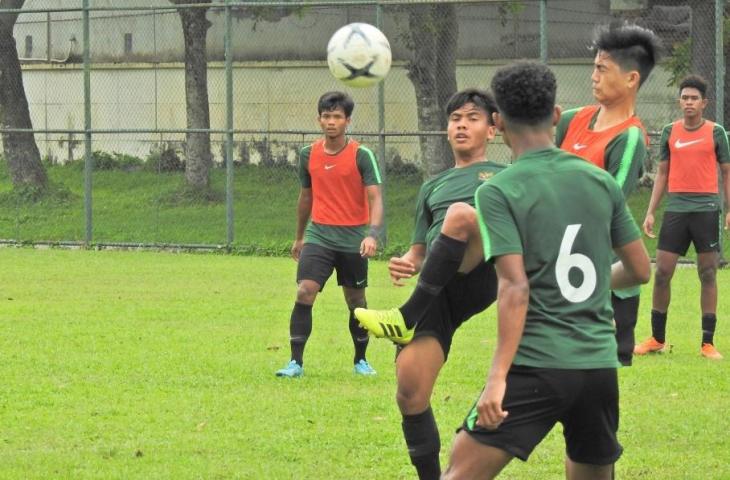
column 525, row 93
column 334, row 100
column 632, row 47
column 694, row 81
column 481, row 98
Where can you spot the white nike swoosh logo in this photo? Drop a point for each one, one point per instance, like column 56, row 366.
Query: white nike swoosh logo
column 327, row 167
column 680, row 144
column 579, row 146
column 713, row 245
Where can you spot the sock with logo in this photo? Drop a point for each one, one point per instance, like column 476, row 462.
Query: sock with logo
column 300, row 327
column 444, row 259
column 359, row 337
column 659, row 325
column 423, row 441
column 709, row 321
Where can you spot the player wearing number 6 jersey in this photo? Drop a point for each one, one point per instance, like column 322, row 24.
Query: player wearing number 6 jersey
column 551, row 223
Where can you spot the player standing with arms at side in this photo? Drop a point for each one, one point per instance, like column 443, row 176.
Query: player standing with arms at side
column 340, row 191
column 547, row 216
column 611, row 136
column 454, row 283
column 690, row 150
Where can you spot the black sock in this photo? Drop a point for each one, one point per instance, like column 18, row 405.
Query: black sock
column 300, row 326
column 709, row 320
column 424, row 444
column 442, row 263
column 359, row 337
column 659, row 325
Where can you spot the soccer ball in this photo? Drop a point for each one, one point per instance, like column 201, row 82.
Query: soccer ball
column 358, row 55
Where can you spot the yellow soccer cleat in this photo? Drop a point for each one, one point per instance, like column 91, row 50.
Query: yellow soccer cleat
column 385, row 324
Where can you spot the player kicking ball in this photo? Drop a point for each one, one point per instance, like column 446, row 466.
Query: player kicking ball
column 551, row 223
column 454, row 282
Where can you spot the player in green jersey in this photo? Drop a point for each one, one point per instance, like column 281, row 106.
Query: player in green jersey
column 462, row 296
column 339, row 214
column 551, row 223
column 691, row 150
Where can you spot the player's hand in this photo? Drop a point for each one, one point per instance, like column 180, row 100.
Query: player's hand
column 400, row 269
column 648, row 225
column 296, row 249
column 368, row 246
column 489, row 406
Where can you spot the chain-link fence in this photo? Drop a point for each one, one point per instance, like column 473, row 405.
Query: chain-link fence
column 115, row 122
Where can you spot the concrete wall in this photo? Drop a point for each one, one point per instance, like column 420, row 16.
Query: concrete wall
column 273, row 96
column 485, row 32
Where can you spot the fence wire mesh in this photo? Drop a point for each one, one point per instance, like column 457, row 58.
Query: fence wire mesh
column 139, row 110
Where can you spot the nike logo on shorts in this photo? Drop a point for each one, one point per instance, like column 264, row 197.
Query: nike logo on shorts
column 680, row 144
column 359, row 282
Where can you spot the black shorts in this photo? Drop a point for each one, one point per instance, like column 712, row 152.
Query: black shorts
column 317, row 262
column 584, row 401
column 462, row 298
column 681, row 228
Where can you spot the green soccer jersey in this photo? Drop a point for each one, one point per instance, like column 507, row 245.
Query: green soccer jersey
column 450, row 186
column 694, row 202
column 564, row 216
column 340, row 238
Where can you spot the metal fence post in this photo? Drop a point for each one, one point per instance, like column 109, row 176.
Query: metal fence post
column 383, row 240
column 88, row 160
column 229, row 126
column 543, row 32
column 720, row 98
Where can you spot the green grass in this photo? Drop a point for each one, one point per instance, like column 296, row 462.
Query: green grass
column 134, row 207
column 160, row 365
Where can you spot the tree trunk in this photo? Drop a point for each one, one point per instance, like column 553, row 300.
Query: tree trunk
column 197, row 146
column 703, row 48
column 20, row 149
column 432, row 70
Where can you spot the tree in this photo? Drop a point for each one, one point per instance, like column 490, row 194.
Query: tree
column 432, row 36
column 198, row 158
column 21, row 151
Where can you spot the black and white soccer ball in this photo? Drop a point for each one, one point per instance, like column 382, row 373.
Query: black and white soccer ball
column 358, row 55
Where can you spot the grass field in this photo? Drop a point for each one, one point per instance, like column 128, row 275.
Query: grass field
column 160, row 365
column 131, row 207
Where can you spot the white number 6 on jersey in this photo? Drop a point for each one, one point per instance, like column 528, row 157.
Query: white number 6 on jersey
column 566, row 261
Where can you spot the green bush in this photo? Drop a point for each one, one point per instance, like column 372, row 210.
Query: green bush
column 165, row 159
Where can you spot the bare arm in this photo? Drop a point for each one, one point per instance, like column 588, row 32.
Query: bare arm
column 369, row 244
column 633, row 267
column 512, row 300
column 408, row 265
column 304, row 209
column 660, row 184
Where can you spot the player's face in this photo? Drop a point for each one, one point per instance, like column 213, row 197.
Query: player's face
column 610, row 83
column 334, row 123
column 469, row 129
column 691, row 102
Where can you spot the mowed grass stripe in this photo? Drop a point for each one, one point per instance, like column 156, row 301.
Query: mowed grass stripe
column 160, row 365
